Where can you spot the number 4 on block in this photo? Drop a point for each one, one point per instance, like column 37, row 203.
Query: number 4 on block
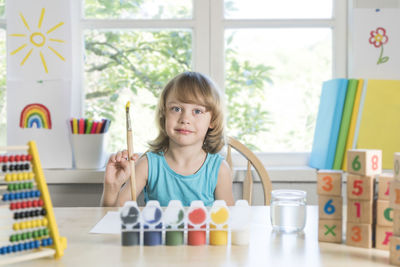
column 330, row 207
column 329, row 182
column 364, row 161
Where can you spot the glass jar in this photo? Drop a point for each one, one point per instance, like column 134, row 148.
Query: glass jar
column 288, row 210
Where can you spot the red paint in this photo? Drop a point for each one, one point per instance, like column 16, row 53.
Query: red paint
column 197, row 216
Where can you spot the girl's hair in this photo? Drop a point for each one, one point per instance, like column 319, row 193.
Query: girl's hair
column 194, row 88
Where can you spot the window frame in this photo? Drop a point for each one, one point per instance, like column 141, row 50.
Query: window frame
column 208, row 25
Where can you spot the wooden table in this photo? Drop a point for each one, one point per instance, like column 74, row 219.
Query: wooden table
column 266, row 247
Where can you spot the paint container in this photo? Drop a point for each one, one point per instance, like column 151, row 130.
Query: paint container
column 130, row 224
column 174, row 222
column 152, row 224
column 219, row 217
column 240, row 223
column 197, row 219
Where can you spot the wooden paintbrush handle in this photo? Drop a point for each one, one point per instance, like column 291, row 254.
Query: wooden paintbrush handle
column 132, row 163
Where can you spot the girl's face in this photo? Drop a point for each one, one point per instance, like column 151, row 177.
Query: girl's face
column 186, row 124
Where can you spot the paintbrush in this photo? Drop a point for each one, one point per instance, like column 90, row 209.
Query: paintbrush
column 130, row 151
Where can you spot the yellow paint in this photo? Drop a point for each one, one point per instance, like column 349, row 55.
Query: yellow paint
column 44, row 62
column 55, row 27
column 38, row 39
column 41, row 37
column 24, row 21
column 18, row 35
column 56, row 40
column 220, row 216
column 41, row 18
column 18, row 49
column 55, row 52
column 26, row 57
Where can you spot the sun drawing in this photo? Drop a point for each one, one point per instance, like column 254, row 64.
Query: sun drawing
column 38, row 39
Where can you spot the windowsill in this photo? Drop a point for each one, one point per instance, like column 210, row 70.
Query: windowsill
column 276, row 173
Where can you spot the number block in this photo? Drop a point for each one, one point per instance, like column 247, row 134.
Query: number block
column 359, row 235
column 384, row 214
column 329, row 182
column 330, row 231
column 366, row 162
column 384, row 185
column 383, row 236
column 396, row 222
column 360, row 187
column 395, row 250
column 396, row 167
column 359, row 211
column 330, row 207
column 394, row 195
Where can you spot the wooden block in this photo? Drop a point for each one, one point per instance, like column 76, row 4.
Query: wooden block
column 360, row 187
column 384, row 214
column 359, row 211
column 383, row 185
column 359, row 235
column 330, row 231
column 329, row 182
column 395, row 250
column 396, row 166
column 383, row 235
column 396, row 222
column 394, row 194
column 366, row 162
column 330, row 207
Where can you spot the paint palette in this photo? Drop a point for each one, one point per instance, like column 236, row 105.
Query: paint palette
column 219, row 222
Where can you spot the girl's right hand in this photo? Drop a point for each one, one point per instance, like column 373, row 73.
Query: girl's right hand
column 118, row 169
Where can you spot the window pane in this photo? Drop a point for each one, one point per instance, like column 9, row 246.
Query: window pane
column 138, row 9
column 273, row 82
column 3, row 112
column 2, row 8
column 132, row 66
column 282, row 9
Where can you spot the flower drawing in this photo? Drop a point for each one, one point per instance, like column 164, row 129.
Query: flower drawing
column 378, row 39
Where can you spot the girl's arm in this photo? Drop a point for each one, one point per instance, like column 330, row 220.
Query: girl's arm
column 141, row 171
column 223, row 189
column 117, row 174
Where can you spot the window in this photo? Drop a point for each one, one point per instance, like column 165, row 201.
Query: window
column 269, row 59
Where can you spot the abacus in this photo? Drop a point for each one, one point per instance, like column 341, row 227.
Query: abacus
column 35, row 233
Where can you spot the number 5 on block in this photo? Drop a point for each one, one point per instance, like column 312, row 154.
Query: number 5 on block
column 330, row 207
column 364, row 161
column 360, row 187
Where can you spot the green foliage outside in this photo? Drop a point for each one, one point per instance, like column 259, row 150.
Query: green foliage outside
column 3, row 117
column 117, row 61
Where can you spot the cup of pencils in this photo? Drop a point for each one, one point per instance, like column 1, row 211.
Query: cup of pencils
column 88, row 139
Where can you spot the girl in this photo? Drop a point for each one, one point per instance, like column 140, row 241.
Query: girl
column 183, row 163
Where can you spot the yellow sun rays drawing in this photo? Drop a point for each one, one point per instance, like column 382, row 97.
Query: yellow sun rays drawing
column 38, row 39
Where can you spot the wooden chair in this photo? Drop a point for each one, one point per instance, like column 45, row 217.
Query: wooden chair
column 252, row 161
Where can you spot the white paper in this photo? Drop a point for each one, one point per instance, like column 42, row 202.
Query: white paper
column 43, row 27
column 53, row 144
column 109, row 224
column 364, row 55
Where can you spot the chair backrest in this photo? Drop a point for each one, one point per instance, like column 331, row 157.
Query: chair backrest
column 252, row 161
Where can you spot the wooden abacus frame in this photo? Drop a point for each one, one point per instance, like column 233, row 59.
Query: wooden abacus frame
column 59, row 243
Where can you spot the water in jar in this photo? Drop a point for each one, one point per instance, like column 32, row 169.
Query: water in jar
column 288, row 211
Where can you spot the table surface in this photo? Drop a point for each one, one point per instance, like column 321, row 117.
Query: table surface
column 266, row 247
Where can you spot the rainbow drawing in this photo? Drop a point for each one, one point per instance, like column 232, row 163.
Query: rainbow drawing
column 35, row 115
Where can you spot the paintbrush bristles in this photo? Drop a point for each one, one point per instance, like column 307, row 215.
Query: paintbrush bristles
column 128, row 117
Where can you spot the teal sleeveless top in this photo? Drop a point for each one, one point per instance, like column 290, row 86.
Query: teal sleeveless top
column 164, row 184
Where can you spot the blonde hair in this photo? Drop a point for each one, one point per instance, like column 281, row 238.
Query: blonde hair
column 193, row 88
